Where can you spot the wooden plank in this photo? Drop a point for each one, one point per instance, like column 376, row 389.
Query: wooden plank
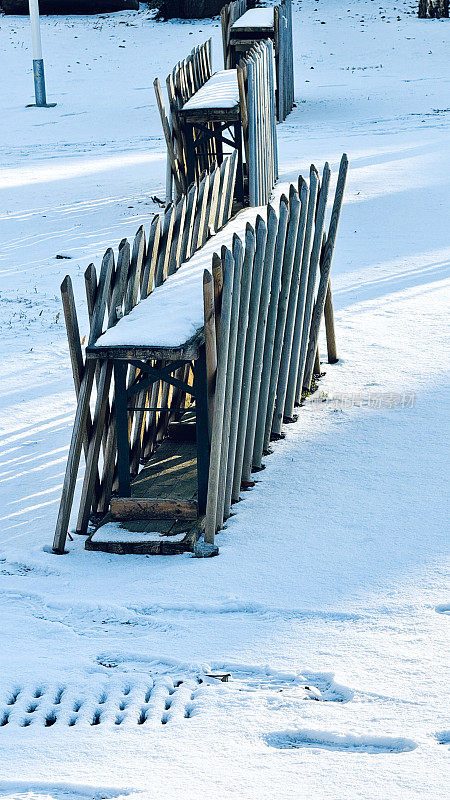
column 185, row 352
column 301, row 299
column 219, row 402
column 217, row 273
column 230, row 187
column 175, row 167
column 163, row 546
column 94, row 447
column 210, row 340
column 286, row 355
column 136, row 264
column 241, row 289
column 224, row 177
column 200, row 216
column 270, row 333
column 269, row 252
column 313, row 266
column 73, row 460
column 329, row 326
column 325, row 273
column 210, row 227
column 165, row 245
column 76, row 357
column 191, row 206
column 103, row 287
column 79, row 428
column 177, row 236
column 283, row 302
column 125, row 508
column 148, row 273
column 245, row 366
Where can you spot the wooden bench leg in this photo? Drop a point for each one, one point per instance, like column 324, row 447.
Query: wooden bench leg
column 190, row 153
column 237, row 129
column 123, row 447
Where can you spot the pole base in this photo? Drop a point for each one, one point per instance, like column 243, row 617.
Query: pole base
column 43, row 105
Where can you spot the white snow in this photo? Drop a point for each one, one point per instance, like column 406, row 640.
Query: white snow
column 173, row 313
column 220, row 91
column 332, row 573
column 114, row 532
column 255, row 18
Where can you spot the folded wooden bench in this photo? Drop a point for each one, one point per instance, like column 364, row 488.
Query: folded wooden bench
column 242, row 28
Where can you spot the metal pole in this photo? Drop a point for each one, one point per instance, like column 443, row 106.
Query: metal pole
column 38, row 61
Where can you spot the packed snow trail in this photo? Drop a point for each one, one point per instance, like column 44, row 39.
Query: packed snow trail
column 328, row 603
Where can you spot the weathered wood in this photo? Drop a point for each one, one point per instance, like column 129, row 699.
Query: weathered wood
column 241, row 280
column 210, row 341
column 258, row 446
column 433, row 9
column 79, row 428
column 258, row 92
column 247, row 362
column 175, row 167
column 191, row 209
column 128, row 508
column 164, row 546
column 217, row 273
column 219, row 401
column 76, row 356
column 329, row 326
column 283, row 301
column 325, row 273
column 103, row 288
column 94, row 447
column 313, row 266
column 286, row 355
column 73, row 460
column 165, row 245
column 236, row 367
column 301, row 298
column 269, row 252
column 148, row 272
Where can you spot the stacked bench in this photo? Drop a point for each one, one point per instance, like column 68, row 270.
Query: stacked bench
column 242, row 29
column 232, row 108
column 205, row 368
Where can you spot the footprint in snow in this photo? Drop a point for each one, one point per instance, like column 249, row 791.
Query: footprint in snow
column 348, row 743
column 443, row 737
column 443, row 608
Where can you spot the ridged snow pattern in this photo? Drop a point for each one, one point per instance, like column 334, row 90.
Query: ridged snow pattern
column 119, row 701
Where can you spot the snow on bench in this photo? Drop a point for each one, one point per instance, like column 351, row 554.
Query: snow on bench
column 173, row 313
column 220, row 91
column 255, row 18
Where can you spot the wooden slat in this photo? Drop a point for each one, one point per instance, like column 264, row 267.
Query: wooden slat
column 219, row 401
column 312, row 276
column 325, row 273
column 129, row 508
column 210, row 340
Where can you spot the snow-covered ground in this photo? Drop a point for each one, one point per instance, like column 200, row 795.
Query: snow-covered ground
column 332, row 573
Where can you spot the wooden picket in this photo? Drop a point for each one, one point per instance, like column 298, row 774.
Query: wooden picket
column 269, row 329
column 257, row 94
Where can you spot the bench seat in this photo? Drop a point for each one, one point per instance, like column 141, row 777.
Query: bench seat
column 221, row 91
column 168, row 324
column 254, row 19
